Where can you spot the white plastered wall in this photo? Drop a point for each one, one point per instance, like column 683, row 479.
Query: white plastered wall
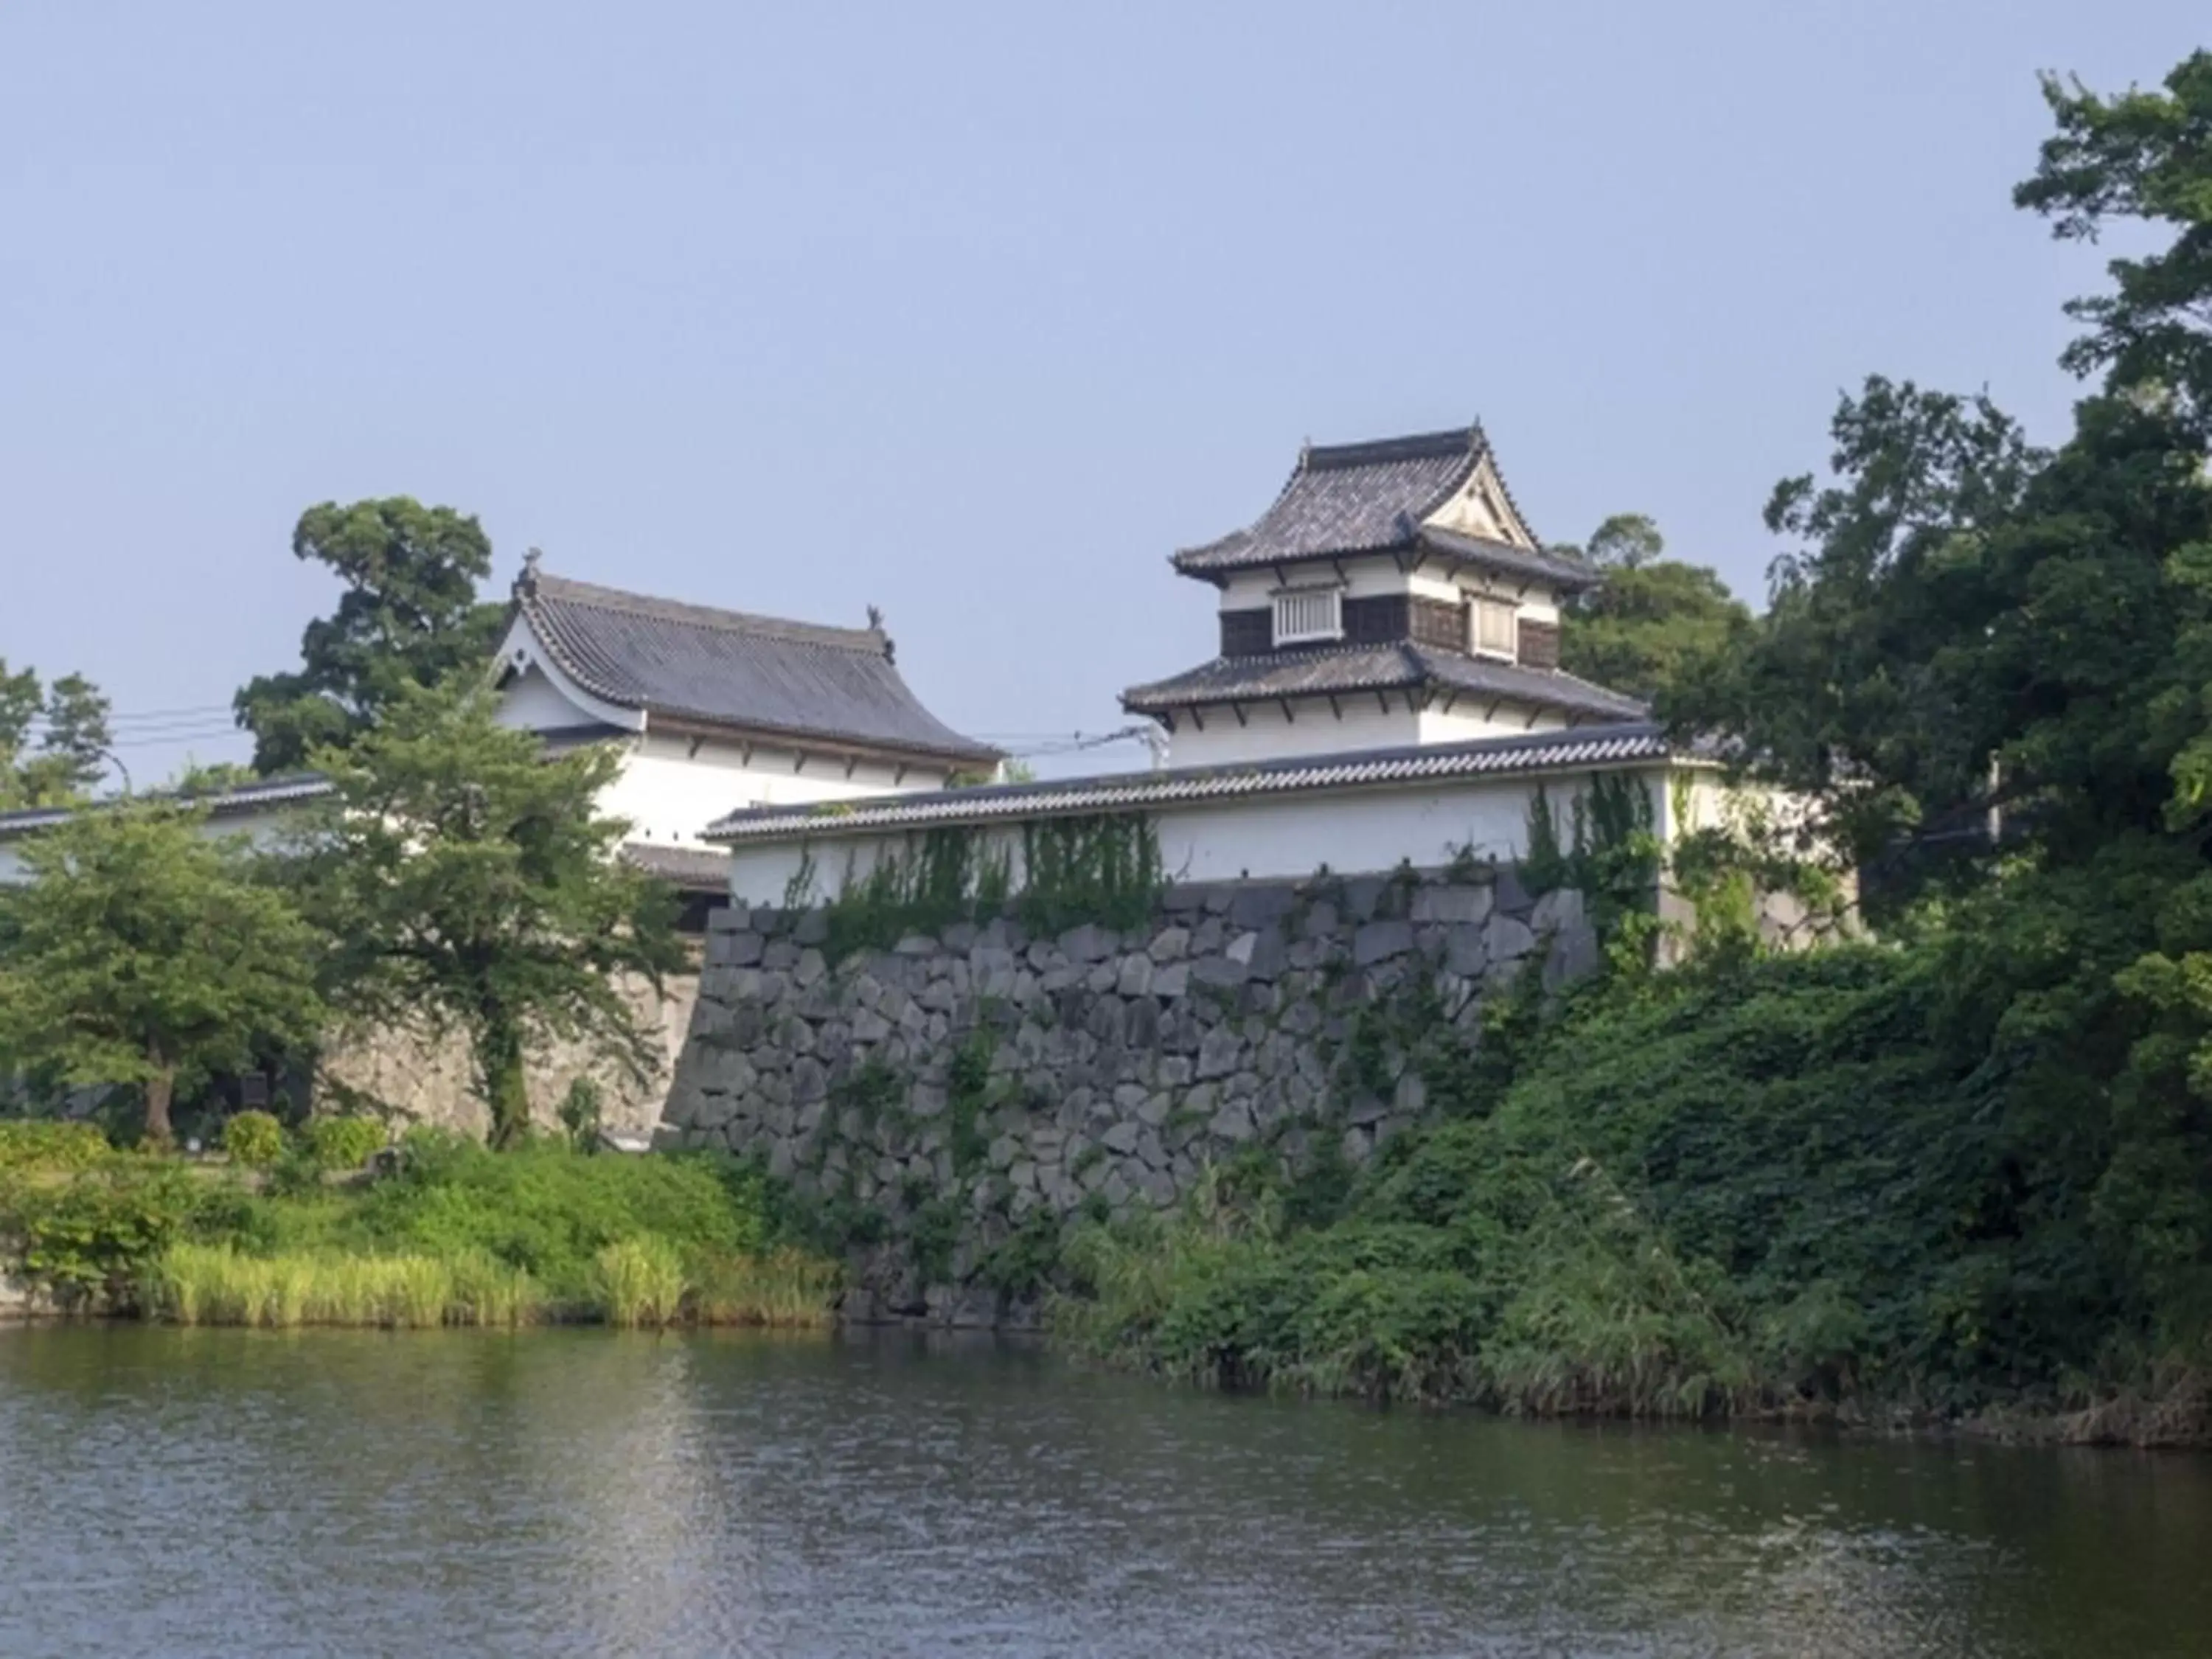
column 1281, row 837
column 1358, row 722
column 1474, row 717
column 671, row 788
column 1369, row 578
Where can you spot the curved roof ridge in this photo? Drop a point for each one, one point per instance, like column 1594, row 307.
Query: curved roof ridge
column 1349, row 499
column 734, row 670
column 539, row 584
column 1414, row 446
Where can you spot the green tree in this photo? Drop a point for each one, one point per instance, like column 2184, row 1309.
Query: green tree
column 471, row 883
column 410, row 616
column 1990, row 668
column 2144, row 157
column 71, row 719
column 1655, row 622
column 141, row 951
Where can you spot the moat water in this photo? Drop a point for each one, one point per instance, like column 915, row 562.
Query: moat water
column 247, row 1494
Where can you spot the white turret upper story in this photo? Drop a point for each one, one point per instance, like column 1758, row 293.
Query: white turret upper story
column 1392, row 595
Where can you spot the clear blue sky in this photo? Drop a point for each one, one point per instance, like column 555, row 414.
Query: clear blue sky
column 974, row 314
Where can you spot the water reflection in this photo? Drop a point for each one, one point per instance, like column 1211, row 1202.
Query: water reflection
column 578, row 1491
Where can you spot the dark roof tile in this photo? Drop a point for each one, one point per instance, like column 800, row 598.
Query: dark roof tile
column 695, row 869
column 760, row 674
column 240, row 800
column 1351, row 498
column 1560, row 572
column 1400, row 666
column 1537, row 752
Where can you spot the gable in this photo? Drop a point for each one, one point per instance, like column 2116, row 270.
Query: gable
column 1481, row 509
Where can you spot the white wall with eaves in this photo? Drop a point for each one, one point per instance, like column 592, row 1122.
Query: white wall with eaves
column 1377, row 576
column 671, row 786
column 1359, row 720
column 1274, row 837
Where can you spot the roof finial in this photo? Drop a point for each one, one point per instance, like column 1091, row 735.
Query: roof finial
column 876, row 625
column 526, row 582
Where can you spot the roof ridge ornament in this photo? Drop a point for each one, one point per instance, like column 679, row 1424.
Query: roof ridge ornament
column 876, row 625
column 526, row 582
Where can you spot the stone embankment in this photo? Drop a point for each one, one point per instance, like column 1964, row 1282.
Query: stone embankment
column 957, row 1096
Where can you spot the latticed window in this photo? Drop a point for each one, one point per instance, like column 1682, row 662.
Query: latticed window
column 1308, row 613
column 1491, row 626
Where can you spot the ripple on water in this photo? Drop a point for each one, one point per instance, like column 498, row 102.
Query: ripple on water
column 256, row 1494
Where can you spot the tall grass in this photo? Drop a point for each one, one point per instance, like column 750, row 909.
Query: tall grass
column 638, row 1282
column 785, row 1288
column 216, row 1285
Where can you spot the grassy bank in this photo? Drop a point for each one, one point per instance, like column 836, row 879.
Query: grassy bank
column 1765, row 1188
column 457, row 1237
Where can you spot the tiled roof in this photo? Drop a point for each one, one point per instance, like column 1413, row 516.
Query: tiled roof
column 244, row 800
column 760, row 674
column 1372, row 498
column 1349, row 498
column 1549, row 751
column 697, row 869
column 1558, row 571
column 1400, row 665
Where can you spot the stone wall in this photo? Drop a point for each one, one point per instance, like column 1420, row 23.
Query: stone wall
column 953, row 1099
column 412, row 1077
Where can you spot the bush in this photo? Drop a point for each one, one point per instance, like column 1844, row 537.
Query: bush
column 550, row 1211
column 92, row 1239
column 580, row 1111
column 341, row 1143
column 1770, row 1184
column 254, row 1140
column 47, row 1144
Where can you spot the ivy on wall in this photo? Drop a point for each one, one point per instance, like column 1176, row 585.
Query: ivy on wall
column 1102, row 868
column 1611, row 853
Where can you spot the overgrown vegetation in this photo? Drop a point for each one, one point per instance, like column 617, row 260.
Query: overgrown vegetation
column 1104, row 868
column 1765, row 1184
column 456, row 1235
column 1968, row 1171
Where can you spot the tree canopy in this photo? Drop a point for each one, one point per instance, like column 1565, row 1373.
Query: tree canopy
column 1656, row 621
column 53, row 738
column 143, row 951
column 1990, row 668
column 469, row 882
column 410, row 616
